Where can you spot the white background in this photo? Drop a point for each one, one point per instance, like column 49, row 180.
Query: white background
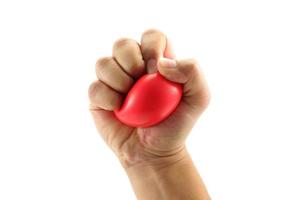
column 246, row 145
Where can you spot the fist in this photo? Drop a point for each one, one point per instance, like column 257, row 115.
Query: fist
column 117, row 74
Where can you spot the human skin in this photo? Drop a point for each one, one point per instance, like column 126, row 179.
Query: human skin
column 155, row 158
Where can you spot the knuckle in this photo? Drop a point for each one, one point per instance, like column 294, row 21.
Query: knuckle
column 103, row 65
column 103, row 61
column 122, row 42
column 100, row 95
column 153, row 43
column 93, row 89
column 193, row 63
column 152, row 31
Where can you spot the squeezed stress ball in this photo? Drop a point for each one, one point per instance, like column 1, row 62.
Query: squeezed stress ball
column 151, row 100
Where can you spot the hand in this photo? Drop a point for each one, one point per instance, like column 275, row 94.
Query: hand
column 117, row 74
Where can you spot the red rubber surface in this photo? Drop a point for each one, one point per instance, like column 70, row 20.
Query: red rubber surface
column 151, row 100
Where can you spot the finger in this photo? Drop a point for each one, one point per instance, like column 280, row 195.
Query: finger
column 155, row 45
column 111, row 129
column 102, row 96
column 110, row 72
column 187, row 72
column 128, row 54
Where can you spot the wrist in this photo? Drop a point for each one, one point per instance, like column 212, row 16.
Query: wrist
column 153, row 160
column 149, row 176
column 166, row 178
column 154, row 168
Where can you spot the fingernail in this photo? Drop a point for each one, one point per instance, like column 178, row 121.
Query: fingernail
column 151, row 66
column 165, row 62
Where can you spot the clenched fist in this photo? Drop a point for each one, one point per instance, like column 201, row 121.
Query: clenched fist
column 164, row 142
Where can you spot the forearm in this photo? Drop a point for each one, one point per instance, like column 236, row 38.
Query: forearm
column 173, row 178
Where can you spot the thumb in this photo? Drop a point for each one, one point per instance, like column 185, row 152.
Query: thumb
column 188, row 73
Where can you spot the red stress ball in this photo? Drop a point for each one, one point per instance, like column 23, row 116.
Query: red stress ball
column 151, row 100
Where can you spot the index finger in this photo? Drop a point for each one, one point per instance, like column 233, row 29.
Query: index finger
column 155, row 45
